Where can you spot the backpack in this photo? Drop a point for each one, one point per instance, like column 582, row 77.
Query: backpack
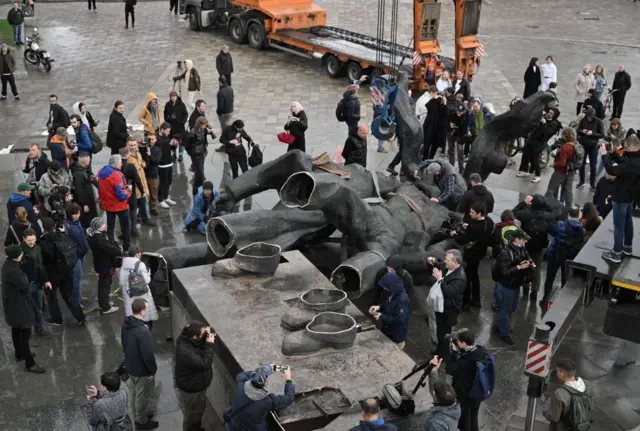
column 66, row 253
column 96, row 142
column 577, row 160
column 341, row 111
column 137, row 285
column 579, row 416
column 485, row 380
column 569, row 247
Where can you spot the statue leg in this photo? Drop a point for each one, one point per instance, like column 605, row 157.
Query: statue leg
column 287, row 228
column 411, row 129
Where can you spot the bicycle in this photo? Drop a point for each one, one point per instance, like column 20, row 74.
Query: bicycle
column 608, row 102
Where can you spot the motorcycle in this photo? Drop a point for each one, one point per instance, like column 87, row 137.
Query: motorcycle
column 34, row 54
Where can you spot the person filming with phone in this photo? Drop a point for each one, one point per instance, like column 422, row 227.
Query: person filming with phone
column 193, row 372
column 252, row 402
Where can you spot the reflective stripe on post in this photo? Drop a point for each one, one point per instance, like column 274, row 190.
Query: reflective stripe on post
column 538, row 360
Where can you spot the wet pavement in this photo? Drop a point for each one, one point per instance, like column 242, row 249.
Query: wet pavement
column 98, row 62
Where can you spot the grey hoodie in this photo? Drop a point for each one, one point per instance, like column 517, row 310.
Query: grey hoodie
column 442, row 418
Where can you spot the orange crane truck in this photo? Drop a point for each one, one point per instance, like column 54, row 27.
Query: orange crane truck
column 299, row 27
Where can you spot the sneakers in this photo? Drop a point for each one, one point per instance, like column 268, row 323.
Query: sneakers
column 580, row 185
column 3, row 97
column 149, row 425
column 611, row 256
column 113, row 309
column 170, row 201
column 52, row 323
column 521, row 174
column 627, row 250
column 16, row 97
column 36, row 369
column 164, row 204
column 536, row 179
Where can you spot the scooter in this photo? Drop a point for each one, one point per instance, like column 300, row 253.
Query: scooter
column 34, row 54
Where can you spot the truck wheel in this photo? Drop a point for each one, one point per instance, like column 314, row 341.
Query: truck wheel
column 354, row 71
column 334, row 66
column 194, row 21
column 236, row 31
column 256, row 36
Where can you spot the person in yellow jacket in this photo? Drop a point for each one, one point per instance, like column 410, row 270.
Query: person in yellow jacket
column 151, row 114
column 135, row 159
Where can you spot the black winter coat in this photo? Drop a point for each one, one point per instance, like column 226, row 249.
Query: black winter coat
column 596, row 104
column 19, row 309
column 435, row 124
column 539, row 210
column 464, row 89
column 33, row 268
column 58, row 117
column 50, row 257
column 193, row 372
column 453, row 286
column 622, row 82
column 177, row 116
column 476, row 194
column 105, row 252
column 597, row 129
column 355, row 151
column 194, row 117
column 164, row 143
column 19, row 229
column 230, row 133
column 153, row 160
column 15, row 16
column 83, row 186
column 117, row 132
column 137, row 345
column 41, row 166
column 604, row 189
column 476, row 238
column 297, row 129
column 225, row 100
column 224, row 63
column 509, row 258
column 627, row 173
column 196, row 144
column 532, row 81
column 462, row 367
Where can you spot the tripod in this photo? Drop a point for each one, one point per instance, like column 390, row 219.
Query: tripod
column 176, row 74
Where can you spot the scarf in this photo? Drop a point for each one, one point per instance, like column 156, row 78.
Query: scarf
column 478, row 122
column 29, row 252
column 31, row 165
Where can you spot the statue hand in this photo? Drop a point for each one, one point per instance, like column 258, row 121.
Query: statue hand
column 223, row 202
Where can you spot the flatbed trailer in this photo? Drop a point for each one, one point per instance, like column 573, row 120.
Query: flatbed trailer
column 299, row 27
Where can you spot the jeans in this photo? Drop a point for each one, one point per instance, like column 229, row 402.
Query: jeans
column 166, row 176
column 192, row 405
column 592, row 153
column 508, row 305
column 496, row 294
column 472, row 291
column 225, row 120
column 552, row 269
column 622, row 226
column 20, row 338
column 17, row 33
column 105, row 280
column 144, row 390
column 563, row 182
column 352, row 127
column 66, row 291
column 77, row 277
column 37, row 295
column 455, row 147
column 125, row 226
column 142, row 208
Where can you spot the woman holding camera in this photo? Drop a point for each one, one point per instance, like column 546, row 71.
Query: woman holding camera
column 193, row 373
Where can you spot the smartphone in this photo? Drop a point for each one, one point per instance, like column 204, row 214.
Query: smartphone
column 88, row 389
column 280, row 368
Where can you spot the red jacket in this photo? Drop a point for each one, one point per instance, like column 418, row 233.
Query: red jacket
column 565, row 154
column 113, row 189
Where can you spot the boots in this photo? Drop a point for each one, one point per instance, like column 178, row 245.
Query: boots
column 312, row 302
column 326, row 330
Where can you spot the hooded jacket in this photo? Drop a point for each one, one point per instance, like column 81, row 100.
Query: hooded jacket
column 351, row 107
column 541, row 134
column 595, row 103
column 509, row 276
column 17, row 200
column 117, row 132
column 462, row 367
column 191, row 73
column 258, row 402
column 561, row 231
column 75, row 230
column 560, row 404
column 355, row 151
column 83, row 140
column 396, row 310
column 591, row 123
column 137, row 345
column 626, row 169
column 105, row 251
column 225, row 100
column 39, row 165
column 177, row 116
column 52, row 179
column 193, row 359
column 19, row 309
column 476, row 194
column 58, row 117
column 83, row 185
column 87, row 118
column 442, row 418
column 224, row 63
column 531, row 215
column 377, row 425
column 113, row 190
column 604, row 189
column 7, row 62
column 129, row 263
column 146, row 116
column 106, row 409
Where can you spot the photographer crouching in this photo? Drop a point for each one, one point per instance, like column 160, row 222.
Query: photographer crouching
column 512, row 269
column 252, row 403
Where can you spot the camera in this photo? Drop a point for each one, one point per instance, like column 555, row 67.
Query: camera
column 453, row 226
column 143, row 144
column 280, row 368
column 57, row 203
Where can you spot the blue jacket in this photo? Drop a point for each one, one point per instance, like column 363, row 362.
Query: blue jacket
column 83, row 140
column 76, row 232
column 137, row 346
column 201, row 204
column 253, row 417
column 351, row 107
column 17, row 200
column 396, row 310
column 376, row 425
column 560, row 231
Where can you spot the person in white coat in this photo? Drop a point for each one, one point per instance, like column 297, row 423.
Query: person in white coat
column 549, row 73
column 129, row 263
column 444, row 81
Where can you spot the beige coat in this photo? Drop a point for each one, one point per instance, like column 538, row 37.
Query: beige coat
column 146, row 117
column 140, row 165
column 583, row 84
